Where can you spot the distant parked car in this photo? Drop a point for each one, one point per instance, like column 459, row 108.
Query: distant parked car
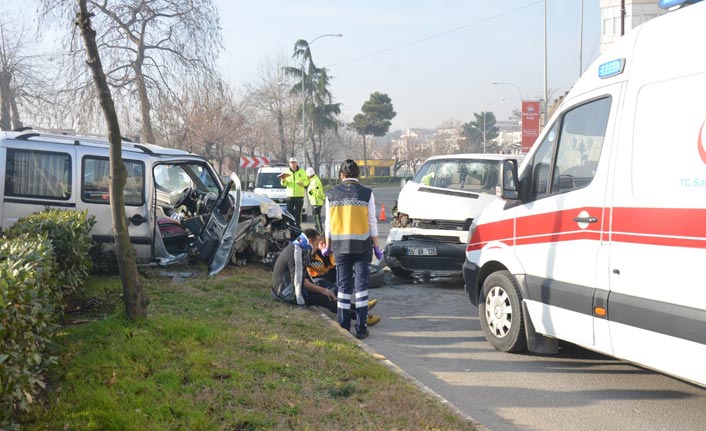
column 435, row 209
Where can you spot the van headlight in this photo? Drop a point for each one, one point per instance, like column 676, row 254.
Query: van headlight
column 404, row 219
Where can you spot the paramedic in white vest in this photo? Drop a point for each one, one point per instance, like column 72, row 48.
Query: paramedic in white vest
column 352, row 234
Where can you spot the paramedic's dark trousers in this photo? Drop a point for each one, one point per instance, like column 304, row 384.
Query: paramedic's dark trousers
column 353, row 291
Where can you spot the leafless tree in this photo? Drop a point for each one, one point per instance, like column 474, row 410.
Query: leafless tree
column 213, row 119
column 148, row 47
column 410, row 150
column 23, row 81
column 339, row 146
column 133, row 294
column 270, row 93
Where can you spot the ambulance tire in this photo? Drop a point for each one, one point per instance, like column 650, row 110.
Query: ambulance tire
column 500, row 313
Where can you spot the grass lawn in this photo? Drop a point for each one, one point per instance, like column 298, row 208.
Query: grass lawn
column 220, row 354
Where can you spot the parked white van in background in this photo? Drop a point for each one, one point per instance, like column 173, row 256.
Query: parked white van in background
column 267, row 182
column 174, row 202
column 602, row 237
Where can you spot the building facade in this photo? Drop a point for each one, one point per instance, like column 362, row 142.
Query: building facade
column 636, row 12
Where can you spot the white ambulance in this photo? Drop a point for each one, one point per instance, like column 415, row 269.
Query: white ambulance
column 601, row 238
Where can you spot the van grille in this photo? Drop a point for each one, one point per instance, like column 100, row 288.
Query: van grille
column 442, row 224
column 433, row 238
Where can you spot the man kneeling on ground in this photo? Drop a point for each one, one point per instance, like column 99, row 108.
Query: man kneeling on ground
column 292, row 284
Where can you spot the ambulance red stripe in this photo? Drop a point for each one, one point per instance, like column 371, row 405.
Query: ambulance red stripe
column 675, row 227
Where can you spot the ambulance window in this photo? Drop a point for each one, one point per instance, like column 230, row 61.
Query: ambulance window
column 38, row 174
column 580, row 144
column 542, row 161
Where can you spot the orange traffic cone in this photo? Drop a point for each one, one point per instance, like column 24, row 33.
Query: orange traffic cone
column 383, row 217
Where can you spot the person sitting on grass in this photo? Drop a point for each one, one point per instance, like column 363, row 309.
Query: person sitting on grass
column 292, row 284
column 322, row 267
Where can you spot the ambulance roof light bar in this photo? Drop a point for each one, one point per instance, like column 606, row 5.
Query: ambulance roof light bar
column 667, row 4
column 611, row 68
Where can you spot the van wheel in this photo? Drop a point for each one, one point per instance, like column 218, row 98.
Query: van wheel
column 401, row 273
column 500, row 313
column 377, row 276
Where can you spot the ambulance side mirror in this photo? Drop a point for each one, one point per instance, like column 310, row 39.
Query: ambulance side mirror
column 510, row 184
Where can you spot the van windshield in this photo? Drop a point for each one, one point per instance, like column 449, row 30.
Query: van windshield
column 268, row 180
column 460, row 174
column 178, row 176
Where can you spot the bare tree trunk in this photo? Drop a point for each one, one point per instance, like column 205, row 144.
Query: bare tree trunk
column 14, row 112
column 365, row 157
column 5, row 123
column 280, row 129
column 317, row 153
column 133, row 294
column 145, row 107
column 220, row 151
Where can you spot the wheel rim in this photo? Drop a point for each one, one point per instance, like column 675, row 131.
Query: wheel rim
column 498, row 312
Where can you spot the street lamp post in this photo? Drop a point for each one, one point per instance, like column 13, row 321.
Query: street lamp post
column 303, row 91
column 512, row 85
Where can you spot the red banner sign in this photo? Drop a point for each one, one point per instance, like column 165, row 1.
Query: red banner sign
column 253, row 162
column 530, row 124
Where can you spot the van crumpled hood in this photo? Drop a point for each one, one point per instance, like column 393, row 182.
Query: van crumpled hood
column 267, row 206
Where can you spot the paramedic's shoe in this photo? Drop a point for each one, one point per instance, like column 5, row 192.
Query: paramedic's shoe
column 373, row 319
column 362, row 336
column 371, row 304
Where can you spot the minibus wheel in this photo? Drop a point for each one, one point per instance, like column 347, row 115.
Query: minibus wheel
column 500, row 312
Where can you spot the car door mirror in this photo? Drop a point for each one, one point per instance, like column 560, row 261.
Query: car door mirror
column 510, row 184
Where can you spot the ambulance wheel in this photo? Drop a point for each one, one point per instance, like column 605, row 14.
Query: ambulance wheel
column 500, row 313
column 377, row 276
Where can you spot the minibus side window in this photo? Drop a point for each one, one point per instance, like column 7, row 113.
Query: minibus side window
column 96, row 181
column 38, row 174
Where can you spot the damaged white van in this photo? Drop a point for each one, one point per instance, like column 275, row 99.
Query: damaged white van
column 601, row 238
column 429, row 227
column 174, row 202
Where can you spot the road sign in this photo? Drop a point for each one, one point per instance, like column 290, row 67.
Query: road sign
column 530, row 124
column 253, row 162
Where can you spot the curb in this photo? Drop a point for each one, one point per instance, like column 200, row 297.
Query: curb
column 395, row 368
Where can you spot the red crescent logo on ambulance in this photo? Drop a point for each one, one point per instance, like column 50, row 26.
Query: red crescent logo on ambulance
column 702, row 152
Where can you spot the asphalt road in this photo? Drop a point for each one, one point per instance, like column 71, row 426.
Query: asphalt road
column 431, row 331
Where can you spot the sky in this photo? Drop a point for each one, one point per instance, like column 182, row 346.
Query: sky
column 435, row 59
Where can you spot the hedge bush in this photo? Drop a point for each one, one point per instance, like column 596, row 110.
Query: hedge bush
column 30, row 289
column 43, row 259
column 69, row 232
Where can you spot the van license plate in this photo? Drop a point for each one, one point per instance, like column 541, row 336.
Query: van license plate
column 421, row 251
